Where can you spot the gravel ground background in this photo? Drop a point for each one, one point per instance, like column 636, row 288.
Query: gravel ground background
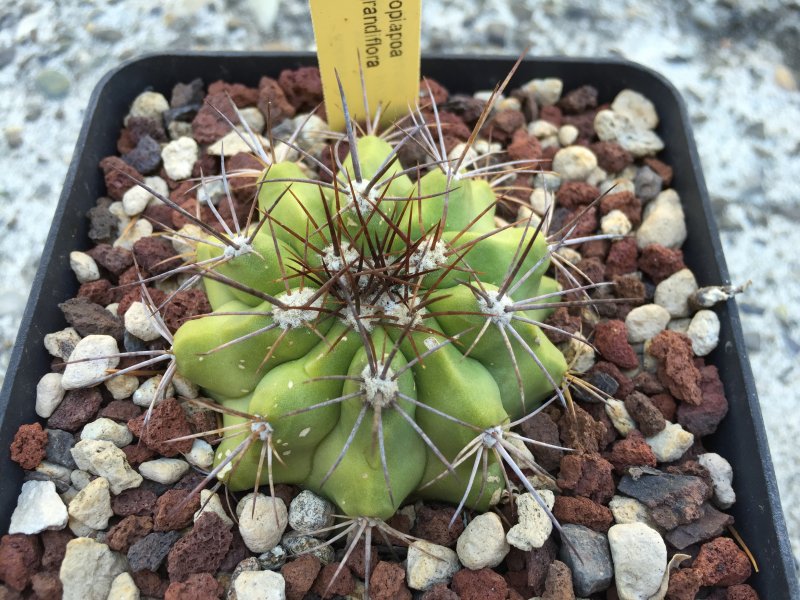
column 736, row 62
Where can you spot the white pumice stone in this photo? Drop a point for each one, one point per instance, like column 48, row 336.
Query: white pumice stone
column 137, row 198
column 663, row 222
column 631, row 135
column 670, row 443
column 140, row 322
column 80, row 479
column 106, row 429
column 640, row 560
column 201, row 455
column 620, row 418
column 721, row 478
column 259, row 585
column 574, row 163
column 103, row 458
column 122, row 386
column 261, row 528
column 49, row 394
column 148, row 104
column 179, row 157
column 534, row 526
column 164, row 470
column 615, row 222
column 84, row 267
column 61, row 343
column 232, row 144
column 637, row 108
column 483, row 542
column 254, row 118
column 428, row 564
column 542, row 129
column 674, row 292
column 567, row 134
column 703, row 330
column 644, row 322
column 630, row 510
column 546, row 92
column 92, row 505
column 184, row 387
column 90, row 361
column 38, row 508
column 88, row 570
column 210, row 502
column 146, row 392
column 123, row 588
column 139, row 229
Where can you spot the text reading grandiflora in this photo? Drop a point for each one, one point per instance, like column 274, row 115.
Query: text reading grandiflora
column 383, row 30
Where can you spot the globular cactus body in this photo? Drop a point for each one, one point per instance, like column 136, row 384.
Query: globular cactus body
column 371, row 337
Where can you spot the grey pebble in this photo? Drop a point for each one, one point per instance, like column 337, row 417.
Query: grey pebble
column 647, row 184
column 590, row 561
column 149, row 552
column 52, row 83
column 146, row 157
column 301, row 544
column 58, row 448
column 309, row 513
column 273, row 559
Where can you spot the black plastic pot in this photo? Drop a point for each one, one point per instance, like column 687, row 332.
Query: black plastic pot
column 741, row 437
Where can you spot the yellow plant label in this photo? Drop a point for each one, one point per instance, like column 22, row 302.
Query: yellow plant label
column 378, row 39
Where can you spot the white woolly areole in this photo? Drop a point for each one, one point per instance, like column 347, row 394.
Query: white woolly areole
column 367, row 201
column 491, row 436
column 401, row 313
column 426, row 258
column 262, row 428
column 379, row 391
column 292, row 318
column 350, row 319
column 244, row 247
column 335, row 263
column 496, row 307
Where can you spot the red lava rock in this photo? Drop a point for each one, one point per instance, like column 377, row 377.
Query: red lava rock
column 628, row 287
column 135, row 501
column 542, row 428
column 587, row 475
column 303, row 87
column 201, row 420
column 624, row 382
column 742, row 592
column 626, row 202
column 524, row 146
column 676, row 369
column 547, row 157
column 595, row 249
column 236, row 553
column 91, row 319
column 167, row 421
column 156, row 255
column 46, row 586
column 201, row 550
column 388, row 582
column 611, row 157
column 611, row 340
column 242, row 187
column 150, row 583
column 517, row 582
column 120, row 410
column 272, row 101
column 54, row 543
column 185, row 304
column 119, row 176
column 208, row 126
column 573, row 194
column 644, row 412
column 631, row 451
column 584, row 123
column 484, row 584
column 703, row 419
column 159, row 215
column 127, row 532
column 113, row 260
column 659, row 262
column 28, row 447
column 567, row 323
column 76, row 409
column 592, row 268
column 502, row 126
column 430, row 88
column 440, row 592
column 173, row 511
column 326, row 586
column 241, row 95
column 134, row 294
column 598, row 412
column 138, row 453
column 621, row 257
column 454, row 130
column 551, row 114
column 721, row 562
column 199, row 586
column 582, row 511
column 433, row 524
column 20, row 556
column 684, row 584
column 648, row 384
column 666, row 404
column 558, row 585
column 150, row 126
column 581, row 432
column 98, row 292
column 578, row 100
column 356, row 561
column 661, row 169
column 586, row 221
column 205, row 165
column 300, row 575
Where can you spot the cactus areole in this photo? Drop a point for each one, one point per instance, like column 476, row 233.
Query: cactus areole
column 369, row 331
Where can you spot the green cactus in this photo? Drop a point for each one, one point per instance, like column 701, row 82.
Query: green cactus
column 370, row 335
